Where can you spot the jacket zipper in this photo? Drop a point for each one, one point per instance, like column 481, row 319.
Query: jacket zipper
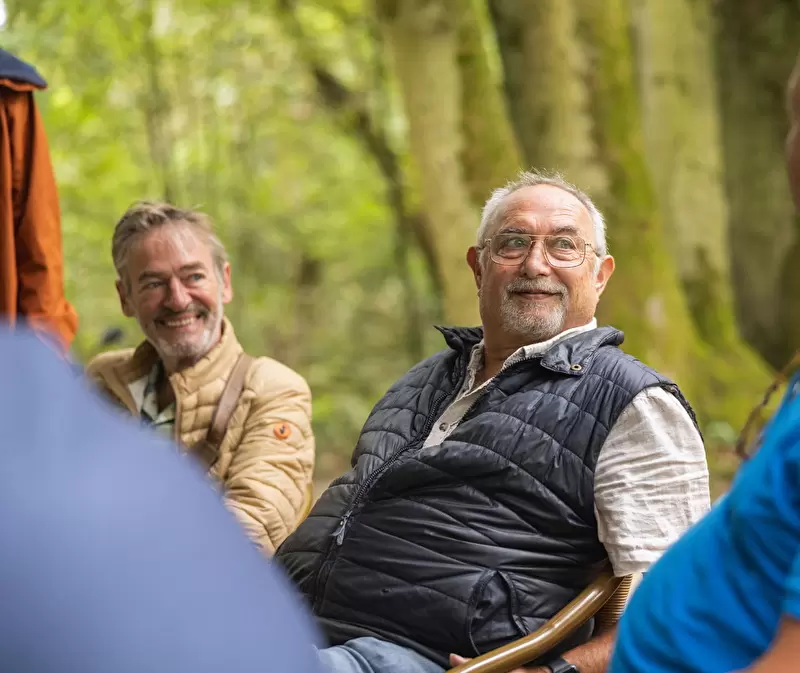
column 338, row 535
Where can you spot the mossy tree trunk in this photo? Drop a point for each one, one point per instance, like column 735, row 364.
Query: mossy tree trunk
column 674, row 55
column 459, row 136
column 545, row 72
column 644, row 297
column 490, row 154
column 756, row 49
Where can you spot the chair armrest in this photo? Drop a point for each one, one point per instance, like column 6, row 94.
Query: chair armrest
column 608, row 616
column 564, row 622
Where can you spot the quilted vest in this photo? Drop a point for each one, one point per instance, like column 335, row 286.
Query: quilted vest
column 470, row 544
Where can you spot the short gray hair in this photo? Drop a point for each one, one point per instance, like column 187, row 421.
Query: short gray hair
column 493, row 209
column 145, row 216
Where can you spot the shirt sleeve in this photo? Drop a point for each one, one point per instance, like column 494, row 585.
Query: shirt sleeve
column 651, row 481
column 37, row 235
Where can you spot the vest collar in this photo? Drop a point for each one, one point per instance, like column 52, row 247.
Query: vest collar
column 568, row 356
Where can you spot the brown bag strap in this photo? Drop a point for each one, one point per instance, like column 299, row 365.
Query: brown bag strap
column 207, row 450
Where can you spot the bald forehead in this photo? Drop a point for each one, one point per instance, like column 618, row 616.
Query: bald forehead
column 545, row 208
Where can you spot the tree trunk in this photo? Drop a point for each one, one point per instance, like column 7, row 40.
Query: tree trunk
column 490, row 154
column 423, row 40
column 681, row 124
column 545, row 87
column 644, row 295
column 756, row 48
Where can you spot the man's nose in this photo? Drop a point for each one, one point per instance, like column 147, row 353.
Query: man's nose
column 178, row 298
column 535, row 263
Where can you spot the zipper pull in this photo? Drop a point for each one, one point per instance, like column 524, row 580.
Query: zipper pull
column 340, row 530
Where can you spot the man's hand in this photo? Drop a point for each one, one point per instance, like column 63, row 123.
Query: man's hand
column 456, row 660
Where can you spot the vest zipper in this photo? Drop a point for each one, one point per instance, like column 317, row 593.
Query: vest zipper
column 341, row 529
column 493, row 384
column 338, row 535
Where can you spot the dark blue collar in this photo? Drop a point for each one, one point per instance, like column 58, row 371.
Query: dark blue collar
column 13, row 68
column 570, row 355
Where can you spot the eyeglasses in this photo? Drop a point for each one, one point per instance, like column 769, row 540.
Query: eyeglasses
column 560, row 250
column 750, row 436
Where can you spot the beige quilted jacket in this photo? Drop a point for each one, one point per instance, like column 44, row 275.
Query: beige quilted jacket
column 267, row 455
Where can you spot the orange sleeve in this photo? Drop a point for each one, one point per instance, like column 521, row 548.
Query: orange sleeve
column 37, row 218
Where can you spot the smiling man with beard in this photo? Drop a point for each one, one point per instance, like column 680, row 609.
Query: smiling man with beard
column 494, row 480
column 248, row 420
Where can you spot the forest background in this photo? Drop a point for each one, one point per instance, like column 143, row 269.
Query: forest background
column 345, row 148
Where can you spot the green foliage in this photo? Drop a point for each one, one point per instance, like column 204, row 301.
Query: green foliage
column 241, row 135
column 342, row 151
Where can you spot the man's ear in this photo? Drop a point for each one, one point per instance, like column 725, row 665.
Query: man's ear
column 227, row 287
column 474, row 261
column 607, row 265
column 124, row 302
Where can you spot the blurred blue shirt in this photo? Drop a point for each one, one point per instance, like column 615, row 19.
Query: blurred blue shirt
column 115, row 555
column 712, row 603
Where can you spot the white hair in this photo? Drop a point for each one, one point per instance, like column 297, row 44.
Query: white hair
column 493, row 210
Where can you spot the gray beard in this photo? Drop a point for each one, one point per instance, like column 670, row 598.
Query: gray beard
column 535, row 326
column 195, row 349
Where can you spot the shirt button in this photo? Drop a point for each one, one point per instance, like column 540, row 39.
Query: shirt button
column 443, row 426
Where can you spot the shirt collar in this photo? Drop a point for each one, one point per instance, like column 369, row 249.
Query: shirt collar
column 525, row 352
column 148, row 407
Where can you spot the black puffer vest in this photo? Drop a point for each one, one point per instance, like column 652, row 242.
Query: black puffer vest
column 465, row 546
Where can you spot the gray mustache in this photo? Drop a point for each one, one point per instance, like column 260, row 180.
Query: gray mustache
column 529, row 286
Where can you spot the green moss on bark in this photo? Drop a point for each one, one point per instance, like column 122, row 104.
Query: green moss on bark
column 490, row 155
column 423, row 40
column 646, row 297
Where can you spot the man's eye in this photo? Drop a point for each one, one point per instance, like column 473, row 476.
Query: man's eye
column 563, row 243
column 515, row 242
column 152, row 285
column 196, row 277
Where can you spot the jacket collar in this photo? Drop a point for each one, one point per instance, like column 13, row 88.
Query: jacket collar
column 214, row 364
column 571, row 355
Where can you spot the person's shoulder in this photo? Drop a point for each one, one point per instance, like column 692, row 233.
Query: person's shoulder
column 661, row 397
column 98, row 367
column 623, row 370
column 611, row 362
column 268, row 377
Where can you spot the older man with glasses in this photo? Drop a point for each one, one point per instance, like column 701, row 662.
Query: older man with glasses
column 495, row 479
